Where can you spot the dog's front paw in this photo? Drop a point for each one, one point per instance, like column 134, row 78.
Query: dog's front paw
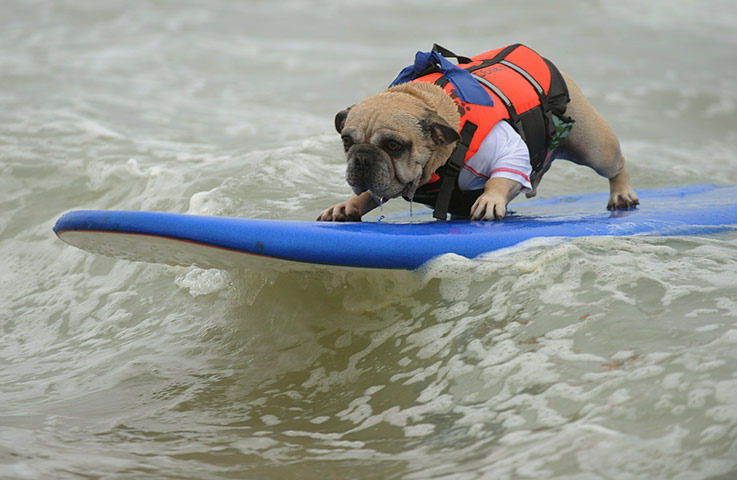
column 342, row 212
column 489, row 207
column 625, row 199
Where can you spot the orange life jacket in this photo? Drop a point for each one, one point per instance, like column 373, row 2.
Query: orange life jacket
column 525, row 90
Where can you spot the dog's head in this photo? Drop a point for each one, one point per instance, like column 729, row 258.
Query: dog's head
column 396, row 139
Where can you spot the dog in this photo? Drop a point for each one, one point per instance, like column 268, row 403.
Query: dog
column 396, row 140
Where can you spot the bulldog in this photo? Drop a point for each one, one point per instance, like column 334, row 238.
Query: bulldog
column 396, row 140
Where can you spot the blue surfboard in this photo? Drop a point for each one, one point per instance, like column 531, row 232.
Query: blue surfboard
column 393, row 243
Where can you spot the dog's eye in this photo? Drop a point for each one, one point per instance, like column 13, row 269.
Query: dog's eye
column 393, row 146
column 347, row 142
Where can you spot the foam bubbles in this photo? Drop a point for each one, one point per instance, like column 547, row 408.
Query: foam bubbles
column 203, row 281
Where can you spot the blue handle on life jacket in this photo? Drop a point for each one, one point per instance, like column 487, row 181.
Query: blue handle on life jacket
column 468, row 89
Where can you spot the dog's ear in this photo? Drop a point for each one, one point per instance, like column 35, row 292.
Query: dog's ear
column 438, row 129
column 340, row 119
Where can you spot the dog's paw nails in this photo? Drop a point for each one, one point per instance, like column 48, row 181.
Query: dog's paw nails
column 623, row 202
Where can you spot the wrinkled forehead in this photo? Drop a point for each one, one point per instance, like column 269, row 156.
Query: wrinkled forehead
column 386, row 111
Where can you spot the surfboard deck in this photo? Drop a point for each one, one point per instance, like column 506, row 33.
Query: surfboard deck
column 393, row 243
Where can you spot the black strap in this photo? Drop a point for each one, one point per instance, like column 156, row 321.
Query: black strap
column 503, row 54
column 434, row 68
column 442, row 82
column 448, row 54
column 451, row 169
column 496, row 58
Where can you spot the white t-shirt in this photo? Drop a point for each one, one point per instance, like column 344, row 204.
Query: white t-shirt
column 502, row 153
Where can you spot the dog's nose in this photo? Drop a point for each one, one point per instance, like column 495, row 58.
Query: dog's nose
column 364, row 157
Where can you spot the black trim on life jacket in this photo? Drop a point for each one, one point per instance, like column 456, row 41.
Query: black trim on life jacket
column 452, row 168
column 448, row 54
column 435, row 68
column 496, row 58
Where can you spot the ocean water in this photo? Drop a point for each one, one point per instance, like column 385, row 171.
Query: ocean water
column 605, row 358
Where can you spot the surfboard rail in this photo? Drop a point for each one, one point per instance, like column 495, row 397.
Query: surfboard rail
column 217, row 242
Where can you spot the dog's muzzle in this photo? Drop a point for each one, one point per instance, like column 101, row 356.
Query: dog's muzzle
column 368, row 169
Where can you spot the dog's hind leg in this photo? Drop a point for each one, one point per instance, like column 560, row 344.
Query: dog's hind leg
column 592, row 142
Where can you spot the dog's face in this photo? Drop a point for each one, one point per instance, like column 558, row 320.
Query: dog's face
column 393, row 142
